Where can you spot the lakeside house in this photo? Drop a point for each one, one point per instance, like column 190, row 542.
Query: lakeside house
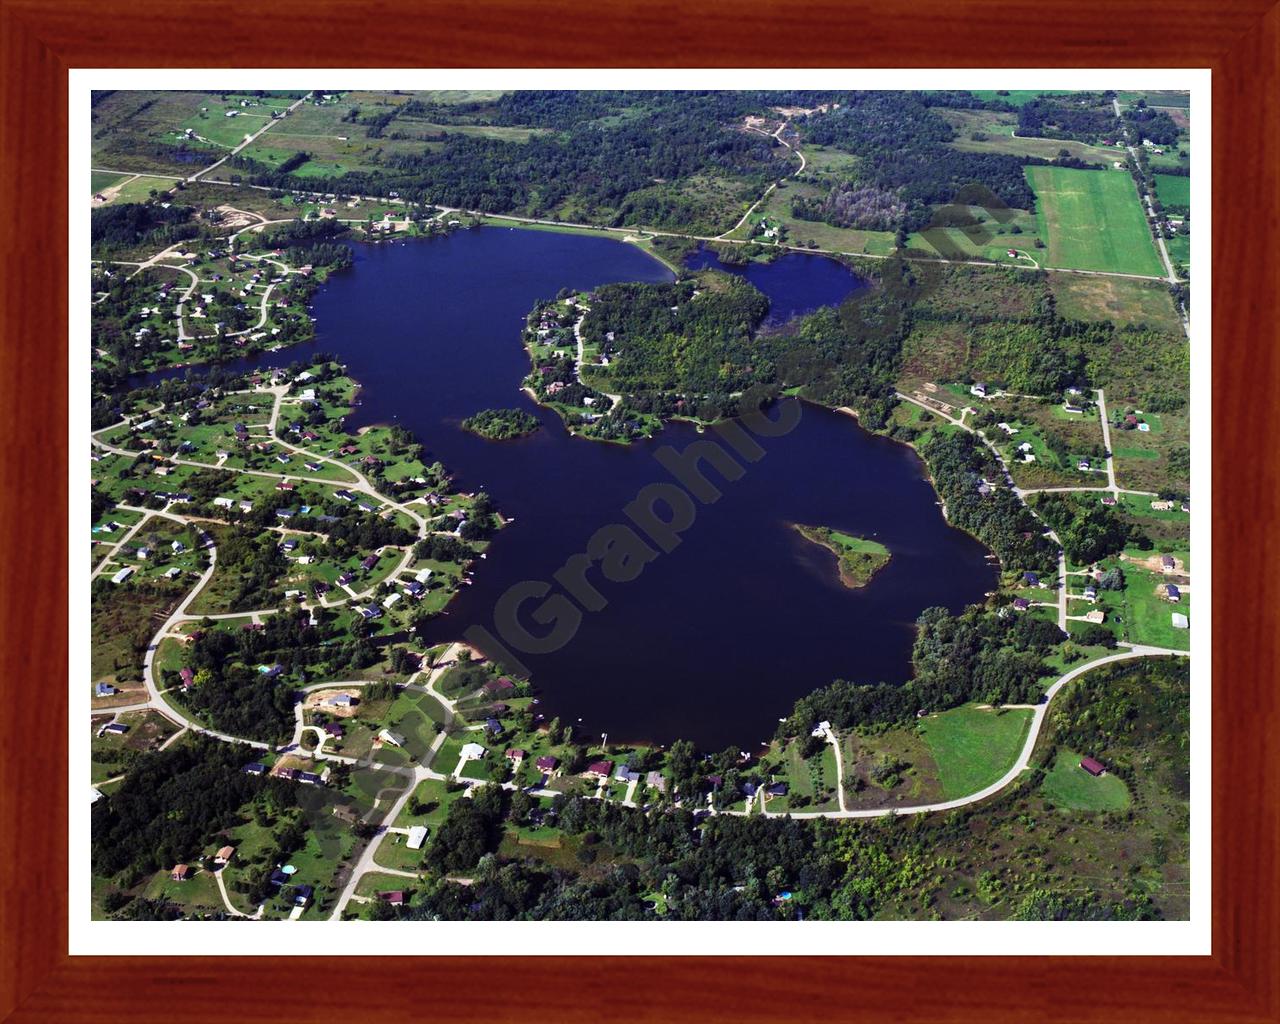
column 498, row 687
column 599, row 769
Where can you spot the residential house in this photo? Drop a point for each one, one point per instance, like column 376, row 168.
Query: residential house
column 116, row 728
column 1167, row 564
column 254, row 768
column 516, row 756
column 181, row 872
column 546, row 764
column 224, row 855
column 417, row 836
column 498, row 687
column 1021, row 604
column 394, row 738
column 1092, row 766
column 394, row 898
column 105, row 690
column 599, row 769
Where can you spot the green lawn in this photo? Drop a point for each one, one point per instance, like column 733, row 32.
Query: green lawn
column 1093, row 220
column 1071, row 788
column 974, row 746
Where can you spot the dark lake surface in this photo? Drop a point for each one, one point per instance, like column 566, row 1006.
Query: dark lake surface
column 716, row 640
column 794, row 284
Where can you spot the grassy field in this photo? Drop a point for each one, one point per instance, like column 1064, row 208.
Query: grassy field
column 1071, row 788
column 974, row 746
column 1156, row 98
column 1093, row 220
column 105, row 179
column 1122, row 300
column 998, row 129
column 1174, row 191
column 137, row 189
column 1017, row 97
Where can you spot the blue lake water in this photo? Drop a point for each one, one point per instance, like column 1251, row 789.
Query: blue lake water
column 716, row 640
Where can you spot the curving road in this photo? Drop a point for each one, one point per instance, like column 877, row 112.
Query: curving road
column 1019, row 766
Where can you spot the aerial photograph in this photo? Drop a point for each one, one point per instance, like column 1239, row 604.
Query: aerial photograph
column 637, row 505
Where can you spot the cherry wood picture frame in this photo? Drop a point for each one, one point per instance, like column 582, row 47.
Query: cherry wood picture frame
column 41, row 39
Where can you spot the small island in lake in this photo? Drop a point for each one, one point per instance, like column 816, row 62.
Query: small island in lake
column 859, row 559
column 501, row 424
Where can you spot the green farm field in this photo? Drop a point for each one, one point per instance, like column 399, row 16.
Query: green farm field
column 1174, row 190
column 1093, row 220
column 1122, row 300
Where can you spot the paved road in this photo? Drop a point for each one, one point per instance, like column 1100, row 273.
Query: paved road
column 1106, row 442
